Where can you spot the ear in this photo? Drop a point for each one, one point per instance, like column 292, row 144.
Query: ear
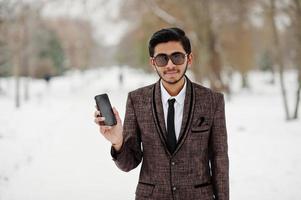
column 152, row 63
column 190, row 59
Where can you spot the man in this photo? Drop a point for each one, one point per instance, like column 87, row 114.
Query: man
column 177, row 126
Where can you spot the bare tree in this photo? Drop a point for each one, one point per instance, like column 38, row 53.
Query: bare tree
column 278, row 56
column 293, row 10
column 237, row 38
column 16, row 42
column 196, row 18
column 296, row 19
column 77, row 40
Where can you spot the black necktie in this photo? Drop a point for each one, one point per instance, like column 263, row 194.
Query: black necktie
column 171, row 134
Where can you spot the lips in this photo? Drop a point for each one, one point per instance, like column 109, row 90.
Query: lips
column 171, row 72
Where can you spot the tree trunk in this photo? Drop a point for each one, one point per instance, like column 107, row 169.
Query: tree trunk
column 25, row 59
column 214, row 60
column 298, row 36
column 297, row 100
column 279, row 60
column 244, row 79
column 26, row 88
column 272, row 81
column 17, row 80
column 0, row 86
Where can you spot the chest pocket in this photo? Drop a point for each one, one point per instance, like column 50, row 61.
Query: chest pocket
column 144, row 190
column 202, row 124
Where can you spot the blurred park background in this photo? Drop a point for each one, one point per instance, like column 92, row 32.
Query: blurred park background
column 56, row 54
column 42, row 39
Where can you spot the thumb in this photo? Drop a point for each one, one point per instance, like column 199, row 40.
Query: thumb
column 116, row 115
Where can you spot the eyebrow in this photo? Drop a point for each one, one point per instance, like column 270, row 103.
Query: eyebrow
column 169, row 54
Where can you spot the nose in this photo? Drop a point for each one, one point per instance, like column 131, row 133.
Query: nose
column 170, row 64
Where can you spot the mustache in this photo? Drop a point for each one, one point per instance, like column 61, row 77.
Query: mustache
column 171, row 71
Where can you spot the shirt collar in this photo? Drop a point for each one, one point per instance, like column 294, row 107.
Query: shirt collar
column 179, row 98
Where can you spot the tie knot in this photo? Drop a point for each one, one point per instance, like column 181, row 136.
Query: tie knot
column 171, row 101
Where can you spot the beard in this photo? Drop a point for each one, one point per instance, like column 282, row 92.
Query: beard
column 175, row 81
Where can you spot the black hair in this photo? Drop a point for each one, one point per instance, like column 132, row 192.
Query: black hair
column 166, row 35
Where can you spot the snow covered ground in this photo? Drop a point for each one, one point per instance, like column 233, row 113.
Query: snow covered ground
column 50, row 148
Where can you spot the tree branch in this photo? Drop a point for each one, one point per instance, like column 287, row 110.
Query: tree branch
column 163, row 15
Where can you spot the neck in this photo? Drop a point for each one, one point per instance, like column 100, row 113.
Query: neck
column 175, row 88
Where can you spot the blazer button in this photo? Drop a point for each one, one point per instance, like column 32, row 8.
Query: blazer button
column 174, row 188
column 173, row 163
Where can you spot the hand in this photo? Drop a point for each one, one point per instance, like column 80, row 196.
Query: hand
column 111, row 133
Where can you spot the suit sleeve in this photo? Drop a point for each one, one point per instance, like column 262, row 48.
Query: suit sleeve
column 219, row 151
column 130, row 154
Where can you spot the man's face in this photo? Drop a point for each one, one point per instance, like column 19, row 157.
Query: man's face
column 171, row 72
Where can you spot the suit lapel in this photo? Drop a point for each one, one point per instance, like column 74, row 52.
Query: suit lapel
column 188, row 102
column 159, row 109
column 158, row 113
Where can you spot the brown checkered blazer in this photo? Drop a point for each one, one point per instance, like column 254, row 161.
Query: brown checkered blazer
column 198, row 169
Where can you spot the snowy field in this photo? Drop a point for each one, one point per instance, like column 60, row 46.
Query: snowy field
column 50, row 148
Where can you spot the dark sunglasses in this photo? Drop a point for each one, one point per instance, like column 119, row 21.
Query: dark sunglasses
column 176, row 58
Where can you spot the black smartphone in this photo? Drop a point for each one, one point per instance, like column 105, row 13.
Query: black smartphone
column 105, row 108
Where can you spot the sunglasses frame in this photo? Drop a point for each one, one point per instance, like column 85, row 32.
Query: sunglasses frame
column 169, row 58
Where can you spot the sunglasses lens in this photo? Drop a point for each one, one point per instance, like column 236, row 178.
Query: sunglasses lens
column 161, row 60
column 177, row 58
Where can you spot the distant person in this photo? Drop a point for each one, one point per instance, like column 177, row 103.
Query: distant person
column 175, row 127
column 120, row 78
column 47, row 78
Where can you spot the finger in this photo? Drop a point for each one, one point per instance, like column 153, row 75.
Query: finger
column 105, row 129
column 96, row 113
column 99, row 121
column 116, row 114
